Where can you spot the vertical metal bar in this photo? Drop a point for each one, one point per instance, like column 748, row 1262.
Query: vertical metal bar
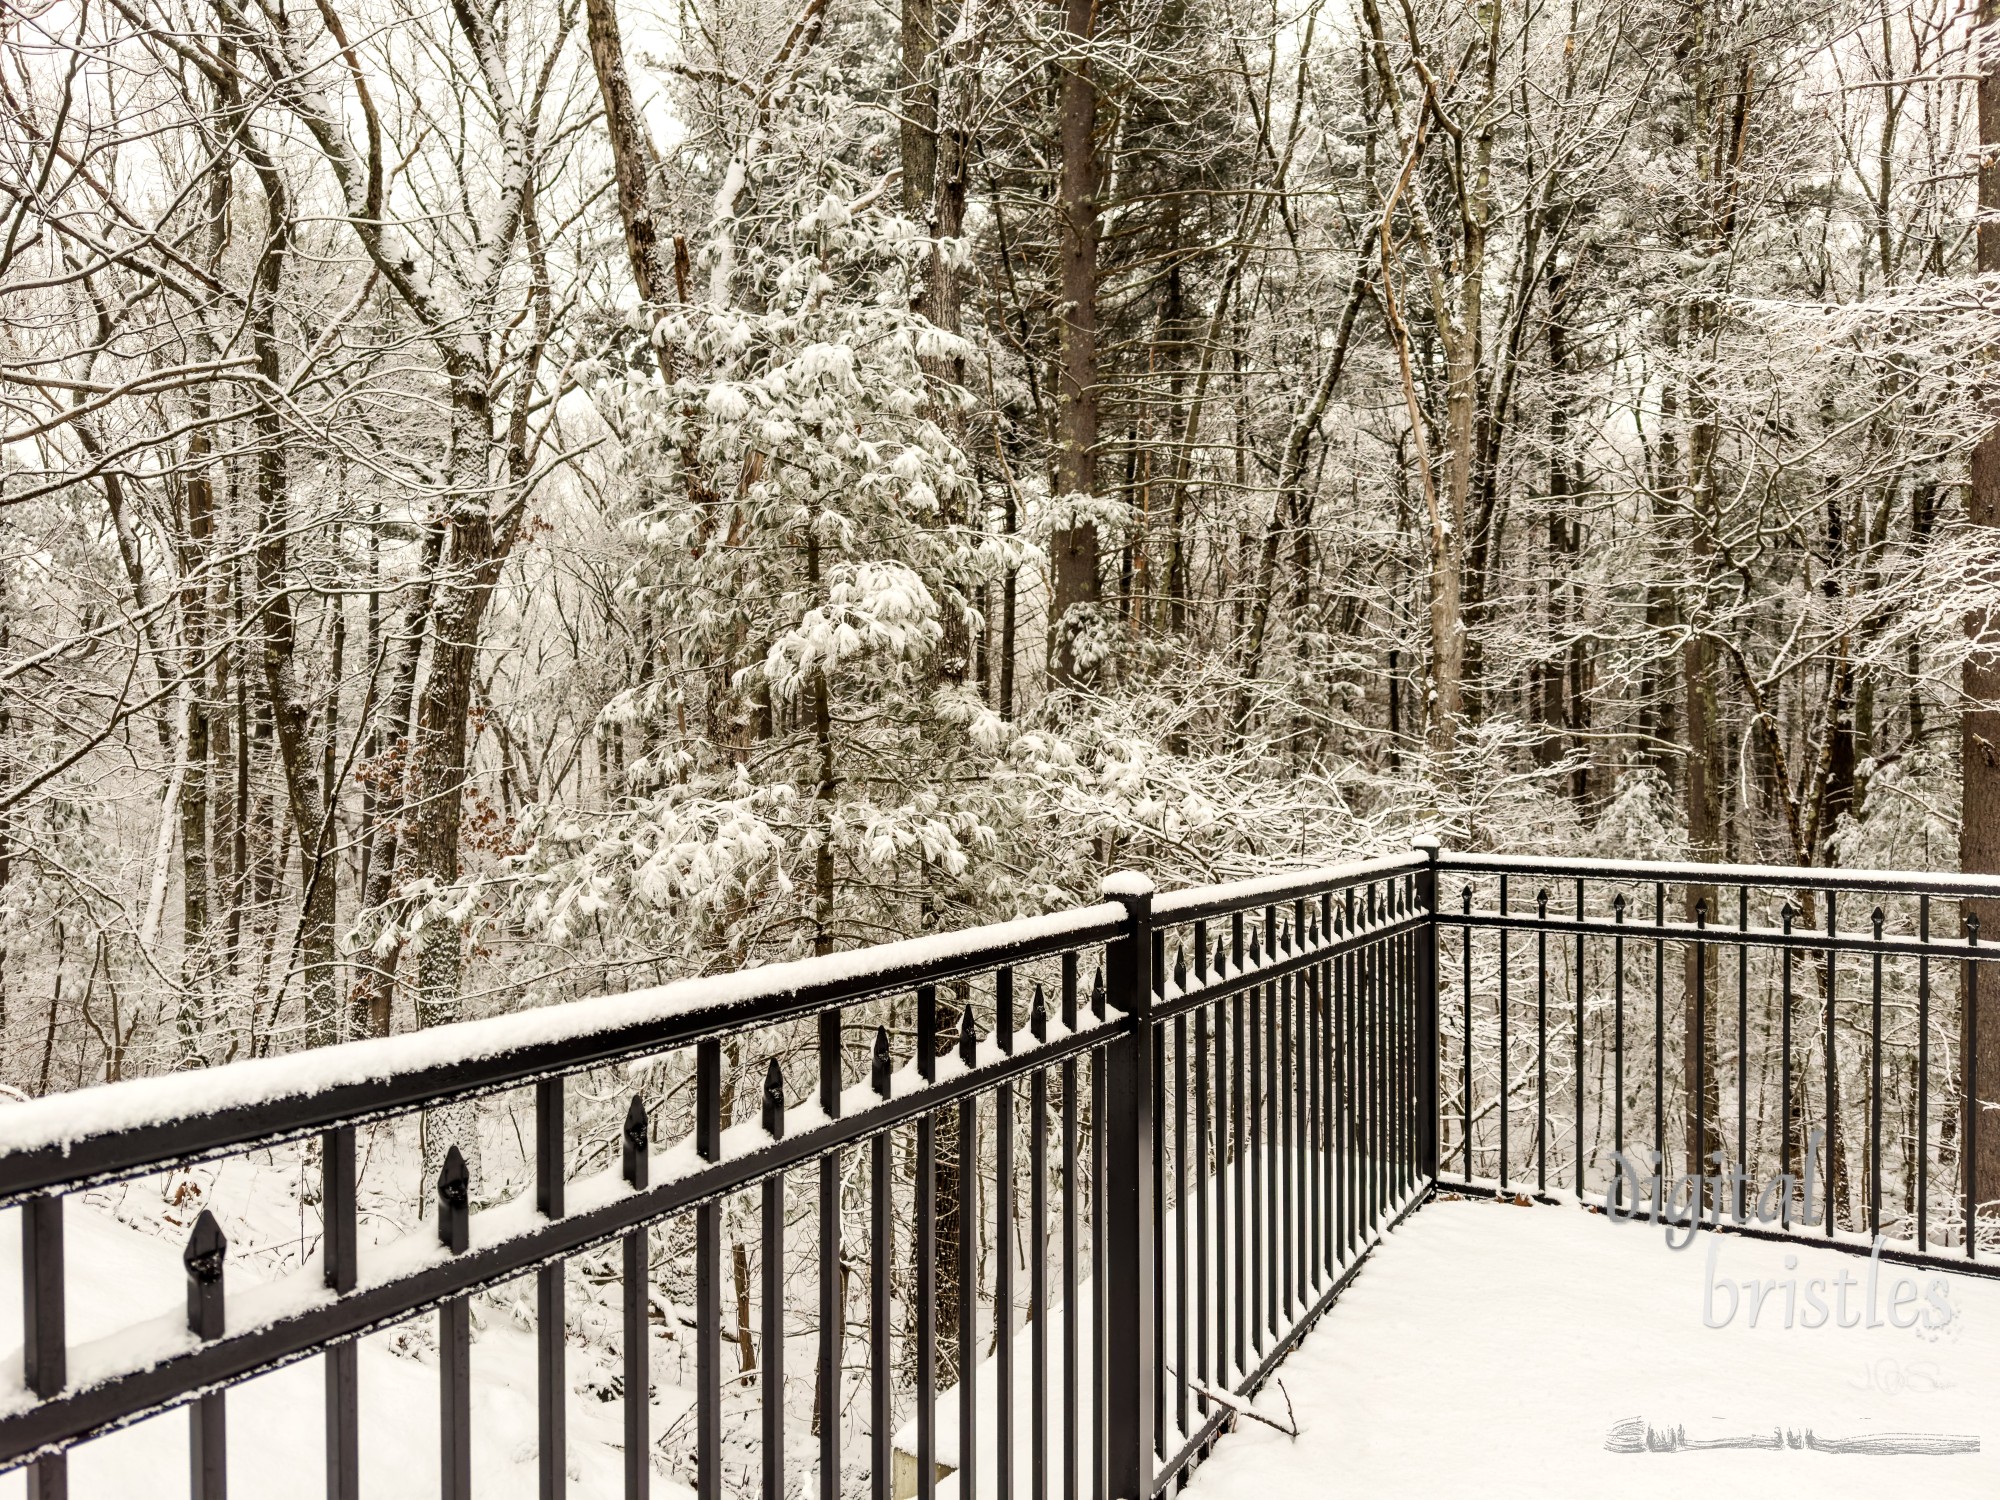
column 1618, row 1035
column 1404, row 1083
column 1259, row 1321
column 1786, row 915
column 1542, row 1041
column 1286, row 1102
column 1003, row 1282
column 1305, row 1156
column 832, row 1311
column 44, row 1326
column 1129, row 1140
column 1203, row 1175
column 1399, row 1057
column 1311, row 1158
column 1699, row 1101
column 1364, row 1089
column 881, row 1258
column 1239, row 1165
column 551, row 1383
column 1329, row 1101
column 1378, row 1061
column 1410, row 1035
column 637, row 1166
column 1180, row 1222
column 1157, row 1228
column 1660, row 1027
column 1072, row 1406
column 1100, row 1266
column 925, row 1188
column 1299, row 1277
column 208, row 1416
column 708, row 1277
column 1465, row 974
column 1923, row 1076
column 1364, row 1095
column 1323, row 1223
column 1270, row 1162
column 454, row 1194
column 1506, row 1094
column 1427, row 1006
column 1832, row 1059
column 1971, row 1108
column 1578, row 1183
column 771, row 1364
column 1875, row 1084
column 1742, row 1051
column 1399, row 964
column 1343, row 1099
column 1038, row 1271
column 967, row 1269
column 1350, row 1066
column 340, row 1270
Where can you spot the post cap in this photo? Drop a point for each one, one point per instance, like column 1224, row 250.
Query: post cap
column 1427, row 842
column 1121, row 884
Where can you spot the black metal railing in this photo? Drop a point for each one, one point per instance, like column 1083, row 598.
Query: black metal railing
column 1140, row 1146
column 1825, row 1020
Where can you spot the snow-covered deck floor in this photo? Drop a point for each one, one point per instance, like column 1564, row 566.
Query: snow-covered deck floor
column 1491, row 1350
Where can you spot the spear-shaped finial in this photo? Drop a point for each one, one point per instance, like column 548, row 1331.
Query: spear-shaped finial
column 774, row 1100
column 203, row 1256
column 879, row 1065
column 454, row 1194
column 637, row 1138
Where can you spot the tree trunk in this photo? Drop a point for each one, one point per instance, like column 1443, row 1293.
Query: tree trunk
column 630, row 158
column 1074, row 548
column 1979, row 724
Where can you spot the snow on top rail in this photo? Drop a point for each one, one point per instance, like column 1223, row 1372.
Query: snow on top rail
column 1791, row 877
column 1269, row 890
column 137, row 1124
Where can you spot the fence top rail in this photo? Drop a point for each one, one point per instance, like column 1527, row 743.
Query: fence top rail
column 1200, row 902
column 122, row 1129
column 1790, row 877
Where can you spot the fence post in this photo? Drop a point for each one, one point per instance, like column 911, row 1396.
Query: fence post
column 45, row 1324
column 1427, row 1009
column 1132, row 1369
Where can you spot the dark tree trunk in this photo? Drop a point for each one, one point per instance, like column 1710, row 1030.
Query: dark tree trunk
column 1979, row 724
column 1074, row 549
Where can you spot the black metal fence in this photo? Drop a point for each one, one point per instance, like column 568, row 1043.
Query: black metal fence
column 1028, row 1210
column 1136, row 1148
column 1826, row 1021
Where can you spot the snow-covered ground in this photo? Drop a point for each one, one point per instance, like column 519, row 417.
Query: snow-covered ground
column 1492, row 1350
column 119, row 1272
column 1486, row 1350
